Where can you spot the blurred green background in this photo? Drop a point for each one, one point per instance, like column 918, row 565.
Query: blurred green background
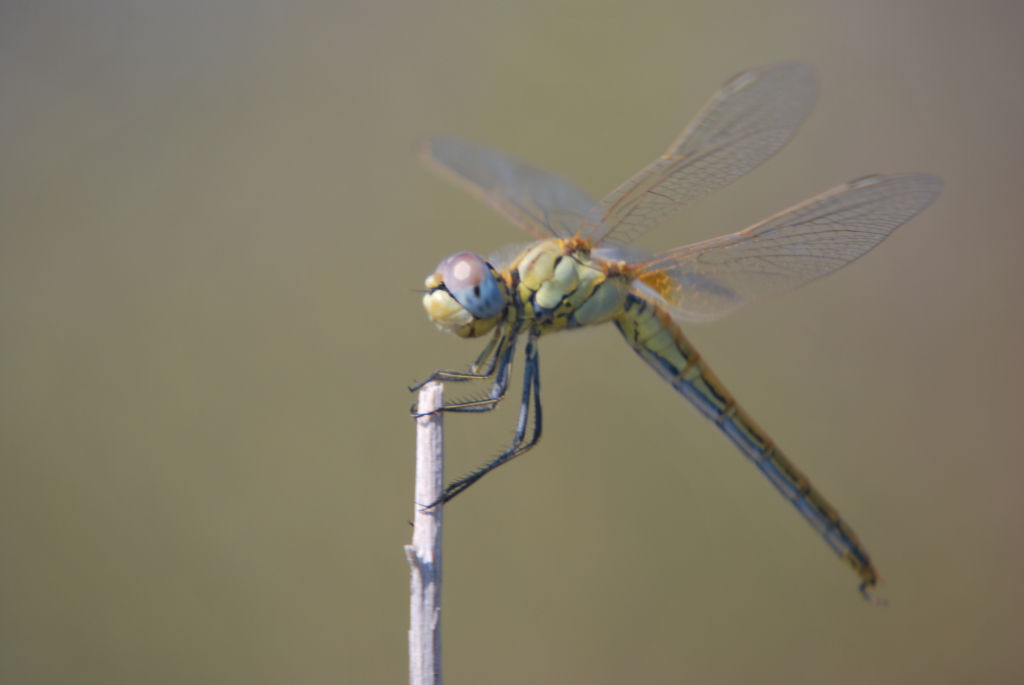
column 213, row 224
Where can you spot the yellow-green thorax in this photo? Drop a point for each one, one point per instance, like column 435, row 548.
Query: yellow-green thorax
column 559, row 285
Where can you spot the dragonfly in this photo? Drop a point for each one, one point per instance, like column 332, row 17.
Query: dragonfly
column 579, row 272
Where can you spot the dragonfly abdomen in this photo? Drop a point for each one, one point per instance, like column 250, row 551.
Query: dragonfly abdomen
column 659, row 342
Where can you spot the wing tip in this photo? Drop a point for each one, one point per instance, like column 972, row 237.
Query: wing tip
column 426, row 149
column 929, row 186
column 789, row 70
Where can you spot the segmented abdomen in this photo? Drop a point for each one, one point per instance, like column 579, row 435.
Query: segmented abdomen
column 660, row 342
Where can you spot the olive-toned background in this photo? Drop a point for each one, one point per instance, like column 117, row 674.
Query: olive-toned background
column 212, row 228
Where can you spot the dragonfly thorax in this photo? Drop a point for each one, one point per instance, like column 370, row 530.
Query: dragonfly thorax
column 562, row 286
column 464, row 295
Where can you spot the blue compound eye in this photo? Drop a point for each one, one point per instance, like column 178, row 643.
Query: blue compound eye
column 470, row 281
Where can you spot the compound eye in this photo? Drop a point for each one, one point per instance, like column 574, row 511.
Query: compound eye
column 469, row 280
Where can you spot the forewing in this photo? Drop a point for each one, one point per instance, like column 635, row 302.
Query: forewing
column 709, row 279
column 747, row 121
column 542, row 204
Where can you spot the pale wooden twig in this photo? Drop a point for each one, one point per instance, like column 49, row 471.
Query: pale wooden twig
column 424, row 554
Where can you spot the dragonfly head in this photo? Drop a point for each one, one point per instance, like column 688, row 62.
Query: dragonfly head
column 464, row 295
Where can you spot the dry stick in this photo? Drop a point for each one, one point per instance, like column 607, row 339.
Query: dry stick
column 424, row 554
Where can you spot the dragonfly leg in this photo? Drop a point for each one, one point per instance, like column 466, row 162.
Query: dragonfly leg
column 520, row 443
column 502, row 362
column 474, row 373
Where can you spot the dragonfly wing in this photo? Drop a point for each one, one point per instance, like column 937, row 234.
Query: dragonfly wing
column 712, row 278
column 541, row 203
column 747, row 121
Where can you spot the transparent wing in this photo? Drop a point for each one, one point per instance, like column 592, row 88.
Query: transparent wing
column 753, row 115
column 540, row 203
column 712, row 278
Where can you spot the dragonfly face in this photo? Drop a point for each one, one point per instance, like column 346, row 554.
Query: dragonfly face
column 576, row 275
column 464, row 296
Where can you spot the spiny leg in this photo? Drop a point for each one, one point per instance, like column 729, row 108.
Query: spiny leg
column 531, row 389
column 498, row 388
column 473, row 374
column 502, row 362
